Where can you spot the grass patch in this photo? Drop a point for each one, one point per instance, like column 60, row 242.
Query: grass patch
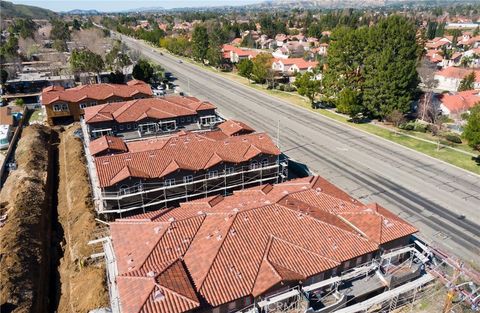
column 36, row 116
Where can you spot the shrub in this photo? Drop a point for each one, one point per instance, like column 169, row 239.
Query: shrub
column 407, row 126
column 453, row 138
column 422, row 128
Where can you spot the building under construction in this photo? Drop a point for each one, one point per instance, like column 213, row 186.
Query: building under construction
column 140, row 175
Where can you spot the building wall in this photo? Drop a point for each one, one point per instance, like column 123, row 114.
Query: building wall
column 74, row 111
column 119, row 128
column 132, row 184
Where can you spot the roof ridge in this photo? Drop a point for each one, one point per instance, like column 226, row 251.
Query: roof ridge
column 265, row 253
column 322, row 222
column 218, row 250
column 160, row 238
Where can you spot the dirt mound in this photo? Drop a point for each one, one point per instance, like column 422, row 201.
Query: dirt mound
column 25, row 237
column 83, row 286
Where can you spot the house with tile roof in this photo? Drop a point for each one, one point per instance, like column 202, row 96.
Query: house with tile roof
column 140, row 175
column 64, row 105
column 455, row 104
column 449, row 78
column 150, row 116
column 221, row 254
column 235, row 54
column 291, row 66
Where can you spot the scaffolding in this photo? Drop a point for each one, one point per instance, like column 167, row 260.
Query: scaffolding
column 145, row 196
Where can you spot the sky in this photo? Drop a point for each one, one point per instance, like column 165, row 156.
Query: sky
column 120, row 5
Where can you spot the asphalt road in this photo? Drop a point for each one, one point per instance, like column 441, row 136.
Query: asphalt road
column 426, row 192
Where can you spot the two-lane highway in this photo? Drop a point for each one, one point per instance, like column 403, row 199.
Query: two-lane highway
column 441, row 200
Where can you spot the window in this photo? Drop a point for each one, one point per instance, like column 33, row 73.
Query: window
column 232, row 306
column 169, row 182
column 182, row 120
column 124, row 189
column 253, row 165
column 129, row 126
column 114, row 128
column 135, row 126
column 248, row 301
column 120, row 127
column 59, row 107
column 264, row 162
column 212, row 174
column 189, row 119
column 188, row 179
column 229, row 170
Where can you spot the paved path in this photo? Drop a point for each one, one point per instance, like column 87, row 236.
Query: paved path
column 428, row 193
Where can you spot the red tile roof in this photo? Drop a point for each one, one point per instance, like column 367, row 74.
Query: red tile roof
column 137, row 110
column 460, row 102
column 107, row 143
column 458, row 73
column 156, row 158
column 95, row 92
column 6, row 117
column 299, row 62
column 246, row 243
column 239, row 51
column 232, row 127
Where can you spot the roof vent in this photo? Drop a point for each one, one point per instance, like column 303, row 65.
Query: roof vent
column 158, row 296
column 151, row 274
column 219, row 237
column 225, row 142
column 235, row 210
column 171, row 219
column 209, row 236
column 130, row 261
column 157, row 229
column 105, row 162
column 233, row 232
column 260, row 137
column 318, row 190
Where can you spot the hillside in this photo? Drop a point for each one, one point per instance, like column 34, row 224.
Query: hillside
column 11, row 10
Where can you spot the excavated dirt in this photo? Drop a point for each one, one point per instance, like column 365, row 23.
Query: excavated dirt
column 26, row 198
column 82, row 283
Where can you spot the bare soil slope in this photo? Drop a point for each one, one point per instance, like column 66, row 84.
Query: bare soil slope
column 83, row 286
column 25, row 237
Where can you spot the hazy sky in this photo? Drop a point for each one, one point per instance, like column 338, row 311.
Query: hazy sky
column 120, row 5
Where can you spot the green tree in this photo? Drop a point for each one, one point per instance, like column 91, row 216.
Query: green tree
column 143, row 71
column 472, row 129
column 431, row 29
column 348, row 102
column 467, row 83
column 390, row 70
column 440, row 31
column 214, row 52
column 86, row 61
column 199, row 43
column 345, row 60
column 59, row 31
column 76, row 24
column 262, row 65
column 245, row 68
column 307, row 85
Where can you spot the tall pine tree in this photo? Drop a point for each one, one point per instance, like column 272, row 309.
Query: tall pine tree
column 199, row 43
column 391, row 77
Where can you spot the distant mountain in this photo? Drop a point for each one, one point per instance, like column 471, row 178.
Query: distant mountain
column 146, row 9
column 11, row 10
column 82, row 12
column 333, row 4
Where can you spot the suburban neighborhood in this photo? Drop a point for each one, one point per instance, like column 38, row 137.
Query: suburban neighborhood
column 251, row 157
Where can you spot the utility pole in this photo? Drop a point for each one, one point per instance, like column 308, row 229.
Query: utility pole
column 278, row 134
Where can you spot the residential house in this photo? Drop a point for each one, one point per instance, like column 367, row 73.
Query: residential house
column 234, row 54
column 157, row 172
column 449, row 78
column 438, row 43
column 291, row 49
column 322, row 49
column 454, row 105
column 224, row 254
column 281, row 39
column 434, row 56
column 150, row 116
column 291, row 66
column 65, row 105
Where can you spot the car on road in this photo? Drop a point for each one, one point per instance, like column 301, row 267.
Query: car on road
column 180, row 61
